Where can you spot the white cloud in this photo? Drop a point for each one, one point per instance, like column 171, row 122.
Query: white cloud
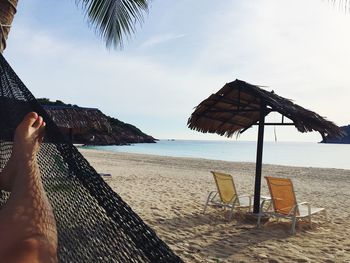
column 160, row 39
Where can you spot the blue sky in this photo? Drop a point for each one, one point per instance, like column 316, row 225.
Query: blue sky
column 184, row 51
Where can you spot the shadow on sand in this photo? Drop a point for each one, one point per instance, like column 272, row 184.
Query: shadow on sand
column 214, row 237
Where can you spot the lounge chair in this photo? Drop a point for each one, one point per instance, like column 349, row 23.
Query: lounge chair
column 226, row 194
column 284, row 202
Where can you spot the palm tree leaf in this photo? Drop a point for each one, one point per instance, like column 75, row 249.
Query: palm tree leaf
column 343, row 5
column 114, row 20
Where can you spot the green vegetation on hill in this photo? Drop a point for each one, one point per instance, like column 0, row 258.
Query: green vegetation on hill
column 118, row 125
column 126, row 133
column 46, row 101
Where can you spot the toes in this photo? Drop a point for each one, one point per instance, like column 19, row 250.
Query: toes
column 30, row 119
column 42, row 128
column 38, row 123
column 41, row 132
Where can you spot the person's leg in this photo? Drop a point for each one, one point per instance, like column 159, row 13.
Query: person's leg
column 7, row 175
column 27, row 224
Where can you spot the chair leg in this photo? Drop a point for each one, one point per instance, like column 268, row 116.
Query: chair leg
column 233, row 207
column 206, row 203
column 205, row 207
column 259, row 216
column 259, row 219
column 231, row 213
column 210, row 196
column 310, row 220
column 261, row 212
column 294, row 220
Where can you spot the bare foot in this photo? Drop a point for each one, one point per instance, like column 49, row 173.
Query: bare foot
column 28, row 137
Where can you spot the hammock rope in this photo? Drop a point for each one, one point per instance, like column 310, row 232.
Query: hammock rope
column 94, row 224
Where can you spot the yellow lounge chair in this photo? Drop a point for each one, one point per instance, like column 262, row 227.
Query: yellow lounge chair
column 285, row 204
column 226, row 194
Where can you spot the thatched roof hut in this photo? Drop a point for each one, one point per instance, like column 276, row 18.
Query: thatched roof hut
column 78, row 118
column 237, row 106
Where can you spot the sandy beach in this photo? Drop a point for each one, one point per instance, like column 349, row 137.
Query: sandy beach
column 169, row 193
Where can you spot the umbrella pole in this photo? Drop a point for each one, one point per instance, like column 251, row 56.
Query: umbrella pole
column 259, row 153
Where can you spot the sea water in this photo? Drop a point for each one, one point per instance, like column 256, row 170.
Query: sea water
column 306, row 154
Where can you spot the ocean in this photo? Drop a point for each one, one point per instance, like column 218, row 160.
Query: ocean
column 306, row 154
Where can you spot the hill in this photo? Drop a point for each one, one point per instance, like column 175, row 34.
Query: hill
column 90, row 126
column 345, row 139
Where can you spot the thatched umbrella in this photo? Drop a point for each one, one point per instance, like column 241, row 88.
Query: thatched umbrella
column 240, row 105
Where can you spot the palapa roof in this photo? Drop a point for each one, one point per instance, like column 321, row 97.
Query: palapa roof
column 77, row 117
column 237, row 106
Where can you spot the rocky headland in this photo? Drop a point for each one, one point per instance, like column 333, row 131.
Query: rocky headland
column 90, row 126
column 344, row 140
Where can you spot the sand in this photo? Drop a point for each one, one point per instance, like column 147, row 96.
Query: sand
column 169, row 194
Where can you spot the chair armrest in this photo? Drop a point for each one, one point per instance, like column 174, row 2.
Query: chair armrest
column 263, row 197
column 293, row 211
column 212, row 195
column 250, row 199
column 250, row 196
column 295, row 207
column 303, row 203
column 308, row 206
column 262, row 205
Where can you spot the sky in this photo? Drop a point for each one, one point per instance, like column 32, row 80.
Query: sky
column 184, row 51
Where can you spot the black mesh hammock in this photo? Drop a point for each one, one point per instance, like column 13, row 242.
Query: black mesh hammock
column 94, row 224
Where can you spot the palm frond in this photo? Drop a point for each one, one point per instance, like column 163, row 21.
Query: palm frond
column 343, row 5
column 114, row 20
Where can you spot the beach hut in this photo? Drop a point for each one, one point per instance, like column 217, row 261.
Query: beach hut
column 240, row 105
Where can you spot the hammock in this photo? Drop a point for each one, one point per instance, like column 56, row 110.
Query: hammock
column 94, row 224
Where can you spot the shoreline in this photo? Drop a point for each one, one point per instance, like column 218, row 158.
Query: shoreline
column 83, row 149
column 168, row 193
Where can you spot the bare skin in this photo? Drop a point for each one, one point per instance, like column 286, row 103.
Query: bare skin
column 27, row 224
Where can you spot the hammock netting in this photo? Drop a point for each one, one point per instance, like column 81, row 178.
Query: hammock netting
column 94, row 224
